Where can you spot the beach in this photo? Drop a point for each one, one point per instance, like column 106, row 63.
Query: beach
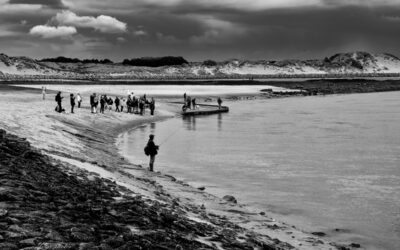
column 86, row 142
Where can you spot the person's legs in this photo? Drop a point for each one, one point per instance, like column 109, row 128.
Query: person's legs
column 151, row 165
column 72, row 109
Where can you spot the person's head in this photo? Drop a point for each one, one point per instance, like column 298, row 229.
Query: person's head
column 151, row 137
column 71, row 95
column 59, row 92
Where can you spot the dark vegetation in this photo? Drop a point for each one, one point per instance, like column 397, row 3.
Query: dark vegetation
column 62, row 59
column 156, row 61
column 210, row 63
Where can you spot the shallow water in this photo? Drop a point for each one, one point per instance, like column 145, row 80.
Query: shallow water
column 155, row 90
column 319, row 162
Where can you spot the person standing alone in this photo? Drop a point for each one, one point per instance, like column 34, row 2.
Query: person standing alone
column 72, row 100
column 151, row 150
column 152, row 106
column 44, row 92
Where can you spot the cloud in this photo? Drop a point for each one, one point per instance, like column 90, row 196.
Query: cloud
column 140, row 33
column 102, row 23
column 6, row 8
column 55, row 4
column 45, row 31
column 121, row 39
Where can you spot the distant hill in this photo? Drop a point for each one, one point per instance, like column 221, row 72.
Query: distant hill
column 339, row 65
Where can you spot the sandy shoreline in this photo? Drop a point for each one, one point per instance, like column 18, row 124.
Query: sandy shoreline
column 87, row 142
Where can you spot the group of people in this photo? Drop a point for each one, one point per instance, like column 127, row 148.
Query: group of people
column 136, row 105
column 190, row 103
column 73, row 100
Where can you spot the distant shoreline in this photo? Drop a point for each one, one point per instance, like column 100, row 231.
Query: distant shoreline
column 215, row 81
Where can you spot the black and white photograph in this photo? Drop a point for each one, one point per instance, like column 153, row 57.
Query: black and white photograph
column 199, row 124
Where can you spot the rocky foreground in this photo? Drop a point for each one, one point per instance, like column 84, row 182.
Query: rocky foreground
column 45, row 204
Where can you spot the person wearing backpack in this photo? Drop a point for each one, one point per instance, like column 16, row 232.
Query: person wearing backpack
column 59, row 100
column 151, row 150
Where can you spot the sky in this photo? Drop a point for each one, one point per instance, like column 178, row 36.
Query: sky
column 198, row 29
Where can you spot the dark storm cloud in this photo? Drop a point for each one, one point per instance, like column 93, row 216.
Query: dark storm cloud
column 277, row 33
column 56, row 4
column 221, row 29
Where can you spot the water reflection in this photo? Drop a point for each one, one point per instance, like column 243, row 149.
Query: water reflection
column 189, row 122
column 219, row 122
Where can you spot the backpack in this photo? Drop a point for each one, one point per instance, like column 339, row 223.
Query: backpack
column 147, row 150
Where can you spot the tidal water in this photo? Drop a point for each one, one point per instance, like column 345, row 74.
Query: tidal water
column 320, row 163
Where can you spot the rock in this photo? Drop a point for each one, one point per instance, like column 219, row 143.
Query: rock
column 201, row 188
column 355, row 245
column 28, row 242
column 230, row 198
column 54, row 236
column 57, row 246
column 3, row 212
column 320, row 234
column 262, row 213
column 8, row 246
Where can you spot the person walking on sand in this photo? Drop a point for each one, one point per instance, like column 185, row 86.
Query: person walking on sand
column 102, row 104
column 92, row 103
column 116, row 104
column 72, row 101
column 141, row 107
column 59, row 101
column 95, row 102
column 152, row 106
column 151, row 150
column 184, row 97
column 123, row 103
column 219, row 102
column 79, row 99
column 43, row 92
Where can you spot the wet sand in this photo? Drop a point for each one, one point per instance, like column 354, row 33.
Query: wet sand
column 86, row 142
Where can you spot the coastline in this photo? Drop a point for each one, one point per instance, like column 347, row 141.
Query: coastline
column 90, row 140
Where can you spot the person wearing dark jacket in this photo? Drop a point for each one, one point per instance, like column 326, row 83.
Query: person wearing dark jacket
column 219, row 102
column 92, row 102
column 152, row 149
column 102, row 104
column 152, row 106
column 59, row 100
column 72, row 100
column 117, row 104
column 194, row 103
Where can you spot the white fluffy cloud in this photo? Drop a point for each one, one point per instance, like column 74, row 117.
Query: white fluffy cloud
column 52, row 32
column 102, row 23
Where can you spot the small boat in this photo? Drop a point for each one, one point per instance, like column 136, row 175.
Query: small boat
column 204, row 109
